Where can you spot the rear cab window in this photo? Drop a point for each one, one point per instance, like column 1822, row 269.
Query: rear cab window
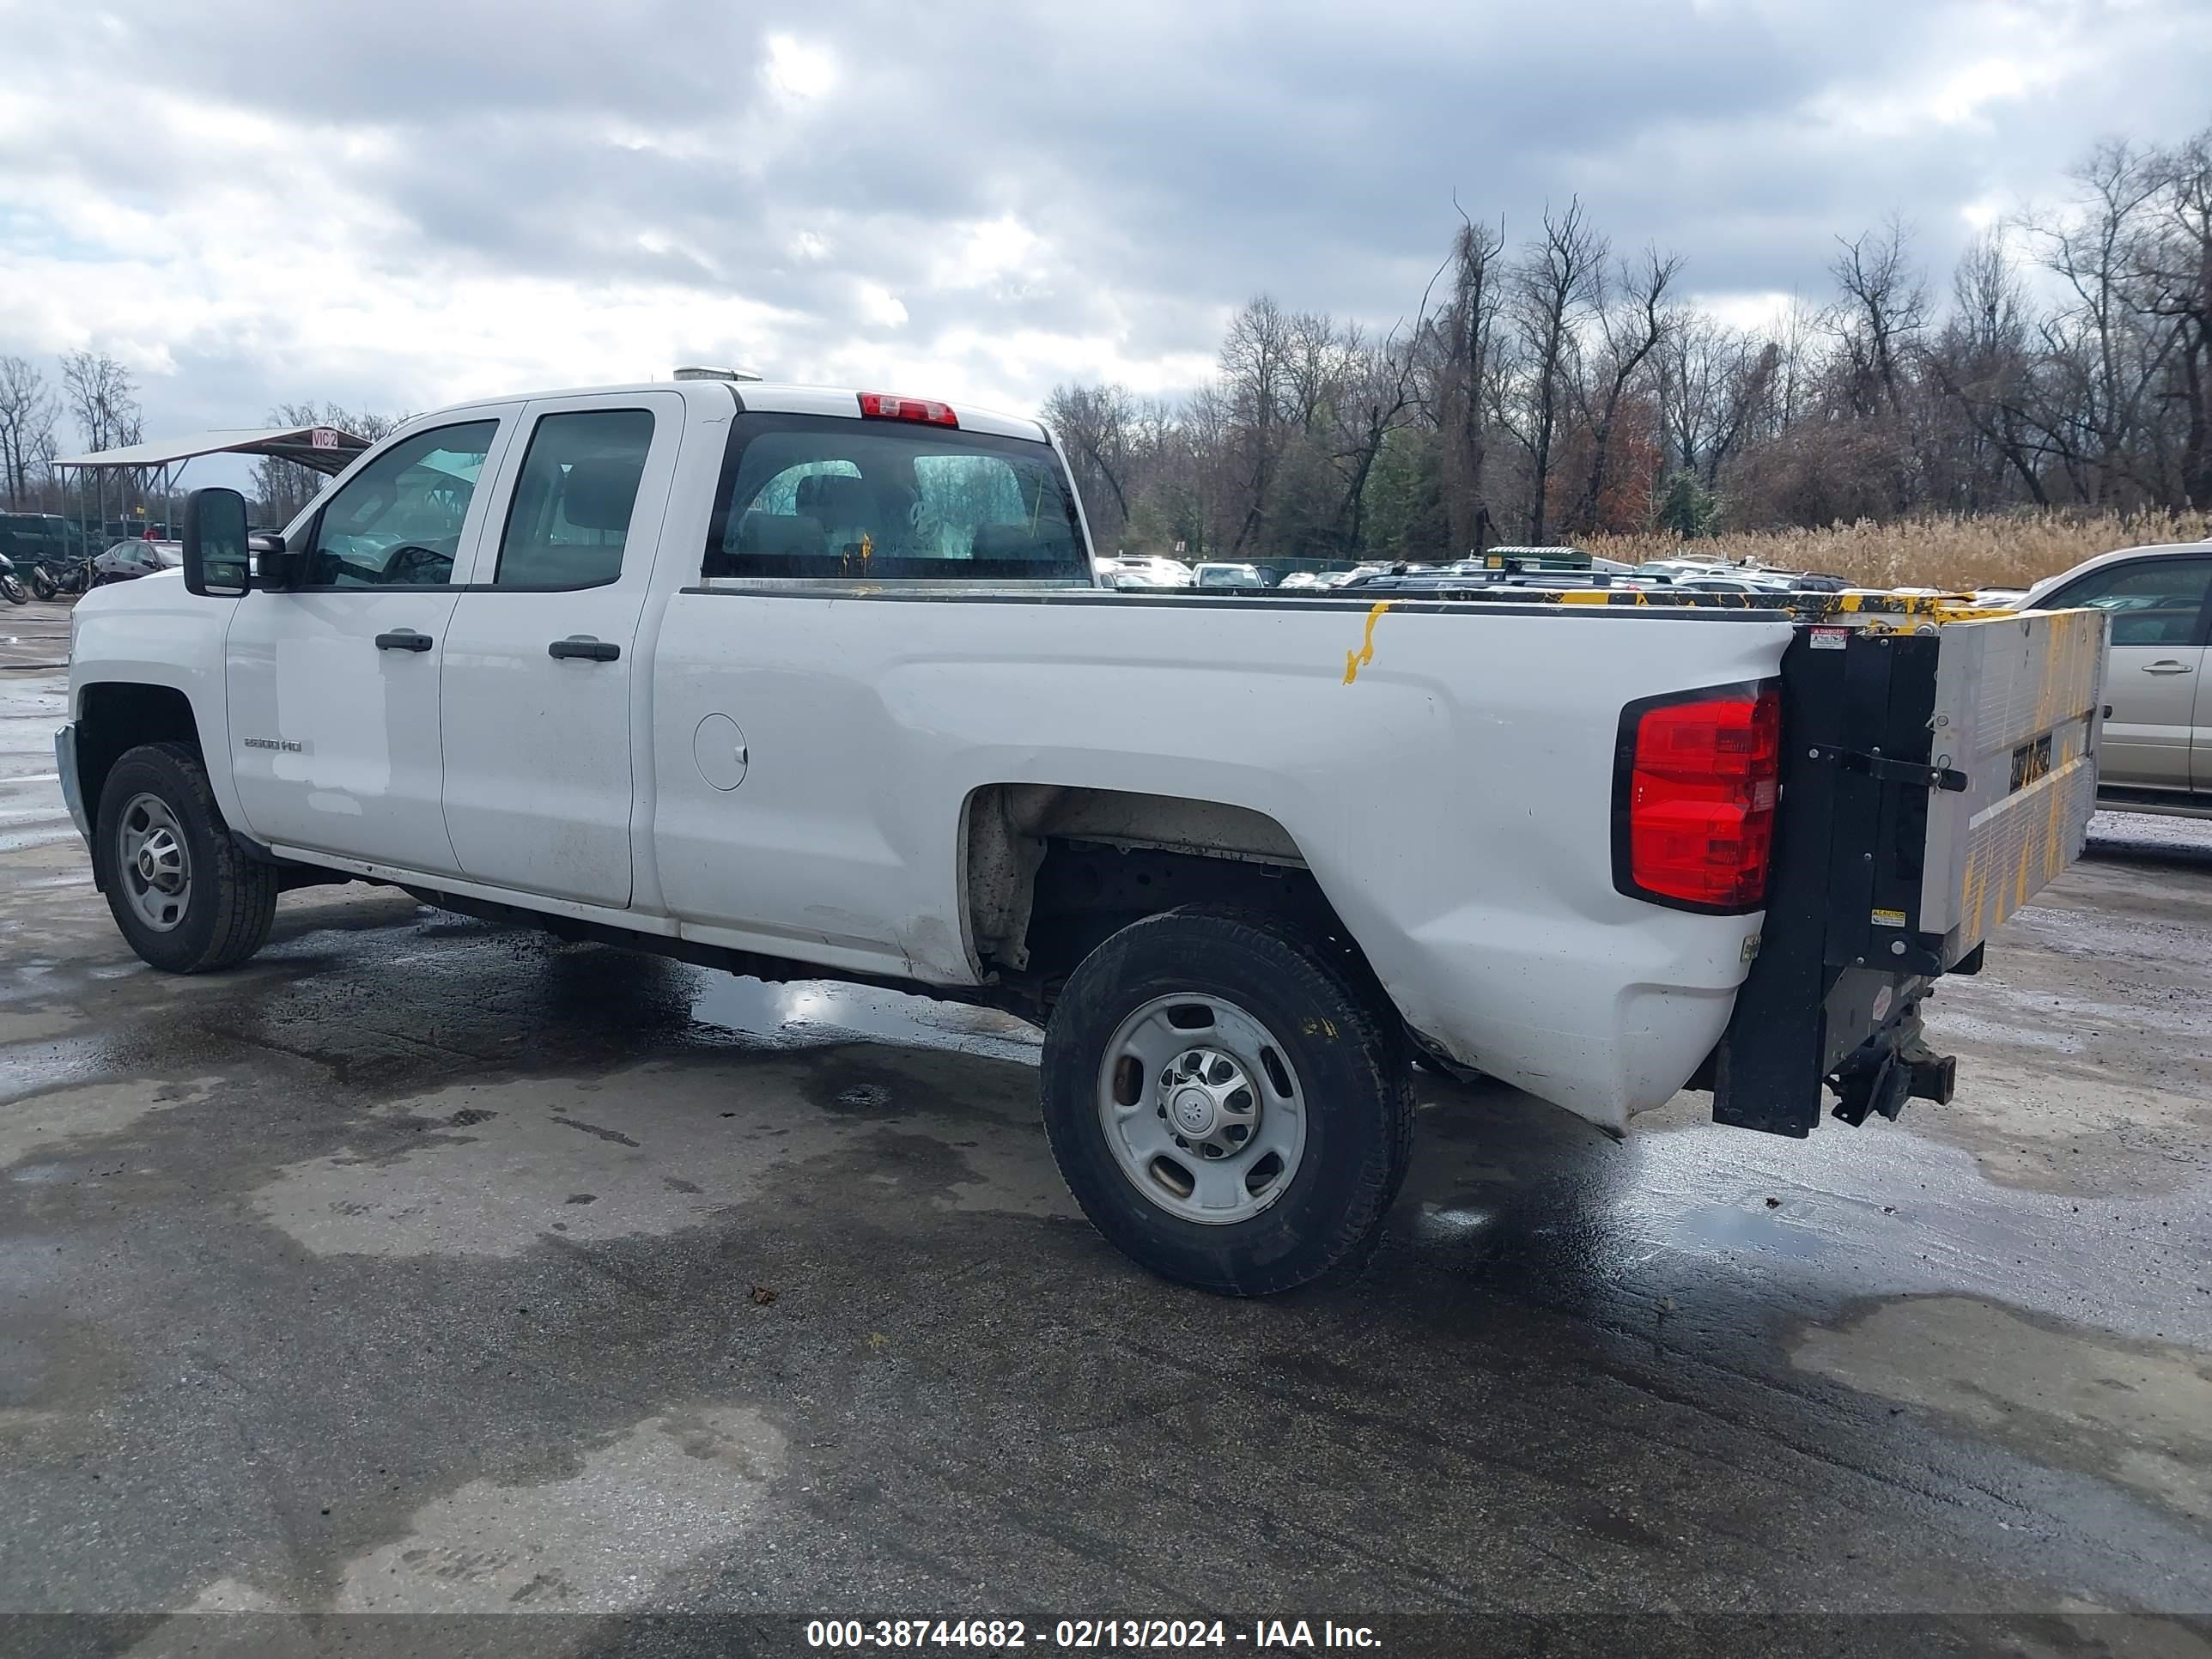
column 823, row 497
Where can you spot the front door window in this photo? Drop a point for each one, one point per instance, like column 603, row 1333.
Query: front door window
column 397, row 522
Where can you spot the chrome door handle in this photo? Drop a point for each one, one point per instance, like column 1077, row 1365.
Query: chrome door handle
column 584, row 646
column 2169, row 667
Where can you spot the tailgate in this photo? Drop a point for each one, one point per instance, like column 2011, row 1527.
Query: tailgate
column 1939, row 768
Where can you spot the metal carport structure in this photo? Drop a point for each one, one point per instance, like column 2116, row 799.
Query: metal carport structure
column 326, row 449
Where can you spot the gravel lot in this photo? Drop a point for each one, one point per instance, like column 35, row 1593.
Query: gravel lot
column 424, row 1265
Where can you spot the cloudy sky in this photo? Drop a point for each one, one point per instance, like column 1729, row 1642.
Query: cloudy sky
column 399, row 204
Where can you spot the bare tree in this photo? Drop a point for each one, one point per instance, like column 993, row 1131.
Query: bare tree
column 1093, row 422
column 1713, row 383
column 104, row 398
column 1256, row 363
column 1983, row 362
column 1465, row 345
column 1633, row 319
column 26, row 425
column 1551, row 289
column 2174, row 267
column 1884, row 307
column 1379, row 393
column 2106, row 366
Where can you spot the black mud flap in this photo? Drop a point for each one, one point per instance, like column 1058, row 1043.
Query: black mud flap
column 1833, row 997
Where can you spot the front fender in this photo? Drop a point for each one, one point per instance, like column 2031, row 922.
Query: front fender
column 152, row 632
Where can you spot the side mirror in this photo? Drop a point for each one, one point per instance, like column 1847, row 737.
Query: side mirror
column 274, row 568
column 216, row 560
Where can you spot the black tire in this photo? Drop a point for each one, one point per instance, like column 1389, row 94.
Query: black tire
column 231, row 898
column 42, row 582
column 1346, row 1056
column 14, row 590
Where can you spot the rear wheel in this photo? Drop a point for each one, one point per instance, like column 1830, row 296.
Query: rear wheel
column 184, row 894
column 1224, row 1103
column 14, row 589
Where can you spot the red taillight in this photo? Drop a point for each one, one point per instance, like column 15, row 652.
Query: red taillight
column 882, row 406
column 1700, row 784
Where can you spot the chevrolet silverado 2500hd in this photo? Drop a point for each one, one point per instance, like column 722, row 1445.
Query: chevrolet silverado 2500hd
column 797, row 683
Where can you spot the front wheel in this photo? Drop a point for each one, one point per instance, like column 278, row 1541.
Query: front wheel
column 184, row 894
column 1225, row 1101
column 16, row 592
column 42, row 582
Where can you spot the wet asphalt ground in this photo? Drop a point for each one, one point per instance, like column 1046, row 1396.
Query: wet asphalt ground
column 427, row 1265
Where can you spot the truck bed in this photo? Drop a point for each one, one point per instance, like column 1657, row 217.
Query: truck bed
column 1939, row 770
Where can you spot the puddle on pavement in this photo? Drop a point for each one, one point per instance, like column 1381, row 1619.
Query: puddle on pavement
column 2140, row 1413
column 1730, row 1228
column 824, row 1010
column 67, row 1117
column 632, row 1511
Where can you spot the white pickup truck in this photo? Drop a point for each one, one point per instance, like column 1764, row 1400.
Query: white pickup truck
column 799, row 683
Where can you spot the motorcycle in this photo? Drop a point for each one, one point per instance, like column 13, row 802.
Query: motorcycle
column 11, row 585
column 61, row 579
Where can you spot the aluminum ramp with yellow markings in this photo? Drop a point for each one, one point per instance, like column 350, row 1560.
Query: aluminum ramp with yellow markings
column 1939, row 771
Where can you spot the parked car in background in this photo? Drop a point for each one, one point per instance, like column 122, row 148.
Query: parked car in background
column 1696, row 575
column 133, row 557
column 1216, row 574
column 1360, row 574
column 34, row 537
column 1309, row 580
column 1144, row 570
column 2157, row 752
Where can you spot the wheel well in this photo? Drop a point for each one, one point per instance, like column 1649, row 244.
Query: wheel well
column 114, row 719
column 1052, row 872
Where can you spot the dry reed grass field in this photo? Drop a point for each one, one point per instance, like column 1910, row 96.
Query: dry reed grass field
column 2004, row 550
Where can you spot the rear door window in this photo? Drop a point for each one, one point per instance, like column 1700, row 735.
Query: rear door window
column 812, row 495
column 570, row 521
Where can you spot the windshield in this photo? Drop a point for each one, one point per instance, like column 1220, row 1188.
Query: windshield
column 816, row 496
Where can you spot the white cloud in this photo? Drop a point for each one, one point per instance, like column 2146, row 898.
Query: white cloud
column 879, row 307
column 989, row 251
column 799, row 71
column 1966, row 92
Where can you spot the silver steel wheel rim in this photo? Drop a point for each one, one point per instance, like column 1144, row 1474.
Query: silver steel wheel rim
column 156, row 871
column 1201, row 1109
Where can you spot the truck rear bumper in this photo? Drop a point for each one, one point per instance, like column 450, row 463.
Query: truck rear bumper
column 1673, row 988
